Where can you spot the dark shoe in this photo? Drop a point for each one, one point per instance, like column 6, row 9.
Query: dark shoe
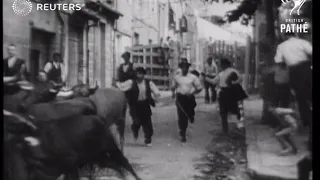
column 135, row 133
column 183, row 139
column 147, row 141
column 191, row 120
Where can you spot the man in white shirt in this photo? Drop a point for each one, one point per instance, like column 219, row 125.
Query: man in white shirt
column 184, row 88
column 296, row 54
column 210, row 70
column 141, row 105
column 55, row 69
column 179, row 71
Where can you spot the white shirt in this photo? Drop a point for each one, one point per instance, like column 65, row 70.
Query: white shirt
column 293, row 51
column 221, row 78
column 186, row 85
column 142, row 90
column 48, row 67
column 210, row 70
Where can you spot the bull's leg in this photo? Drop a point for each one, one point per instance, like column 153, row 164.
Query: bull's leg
column 123, row 162
column 121, row 128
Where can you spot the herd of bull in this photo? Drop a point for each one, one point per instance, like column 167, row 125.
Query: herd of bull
column 50, row 138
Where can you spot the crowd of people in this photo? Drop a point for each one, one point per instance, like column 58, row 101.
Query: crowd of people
column 186, row 83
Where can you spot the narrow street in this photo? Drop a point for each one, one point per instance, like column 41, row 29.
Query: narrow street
column 208, row 154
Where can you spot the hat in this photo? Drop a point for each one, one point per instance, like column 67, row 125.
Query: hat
column 126, row 54
column 141, row 70
column 183, row 64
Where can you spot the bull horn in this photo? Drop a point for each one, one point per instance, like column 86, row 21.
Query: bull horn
column 19, row 118
column 95, row 86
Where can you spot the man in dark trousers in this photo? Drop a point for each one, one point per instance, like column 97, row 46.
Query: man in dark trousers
column 185, row 86
column 142, row 103
column 296, row 54
column 125, row 77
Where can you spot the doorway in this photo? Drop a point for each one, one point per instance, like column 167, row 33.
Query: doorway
column 34, row 65
column 40, row 51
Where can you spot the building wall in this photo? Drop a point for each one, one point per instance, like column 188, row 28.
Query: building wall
column 146, row 21
column 124, row 29
column 17, row 29
column 64, row 38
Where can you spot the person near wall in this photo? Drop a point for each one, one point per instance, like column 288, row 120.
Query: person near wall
column 14, row 70
column 55, row 69
column 184, row 88
column 210, row 70
column 142, row 103
column 296, row 54
column 125, row 78
column 231, row 94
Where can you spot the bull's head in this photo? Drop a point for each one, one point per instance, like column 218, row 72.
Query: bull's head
column 92, row 89
column 84, row 90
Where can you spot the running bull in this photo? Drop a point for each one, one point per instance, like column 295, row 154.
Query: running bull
column 110, row 104
column 47, row 149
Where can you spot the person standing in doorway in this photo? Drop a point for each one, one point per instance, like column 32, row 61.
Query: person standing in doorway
column 210, row 71
column 142, row 103
column 14, row 70
column 185, row 87
column 55, row 69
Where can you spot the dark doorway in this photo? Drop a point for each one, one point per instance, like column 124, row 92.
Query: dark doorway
column 34, row 63
column 42, row 45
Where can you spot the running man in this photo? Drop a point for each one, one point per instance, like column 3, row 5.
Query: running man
column 185, row 86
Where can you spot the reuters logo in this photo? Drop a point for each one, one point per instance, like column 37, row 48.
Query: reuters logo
column 22, row 7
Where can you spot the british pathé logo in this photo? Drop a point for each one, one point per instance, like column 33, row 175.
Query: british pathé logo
column 22, row 7
column 297, row 4
column 291, row 21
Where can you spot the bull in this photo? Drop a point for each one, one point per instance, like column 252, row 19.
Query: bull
column 56, row 147
column 108, row 103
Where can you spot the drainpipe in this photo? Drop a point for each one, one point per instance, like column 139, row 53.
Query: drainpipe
column 87, row 51
column 66, row 48
column 115, row 29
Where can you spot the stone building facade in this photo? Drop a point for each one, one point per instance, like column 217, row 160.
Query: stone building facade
column 85, row 39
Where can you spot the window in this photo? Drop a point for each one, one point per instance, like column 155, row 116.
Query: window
column 150, row 41
column 136, row 39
